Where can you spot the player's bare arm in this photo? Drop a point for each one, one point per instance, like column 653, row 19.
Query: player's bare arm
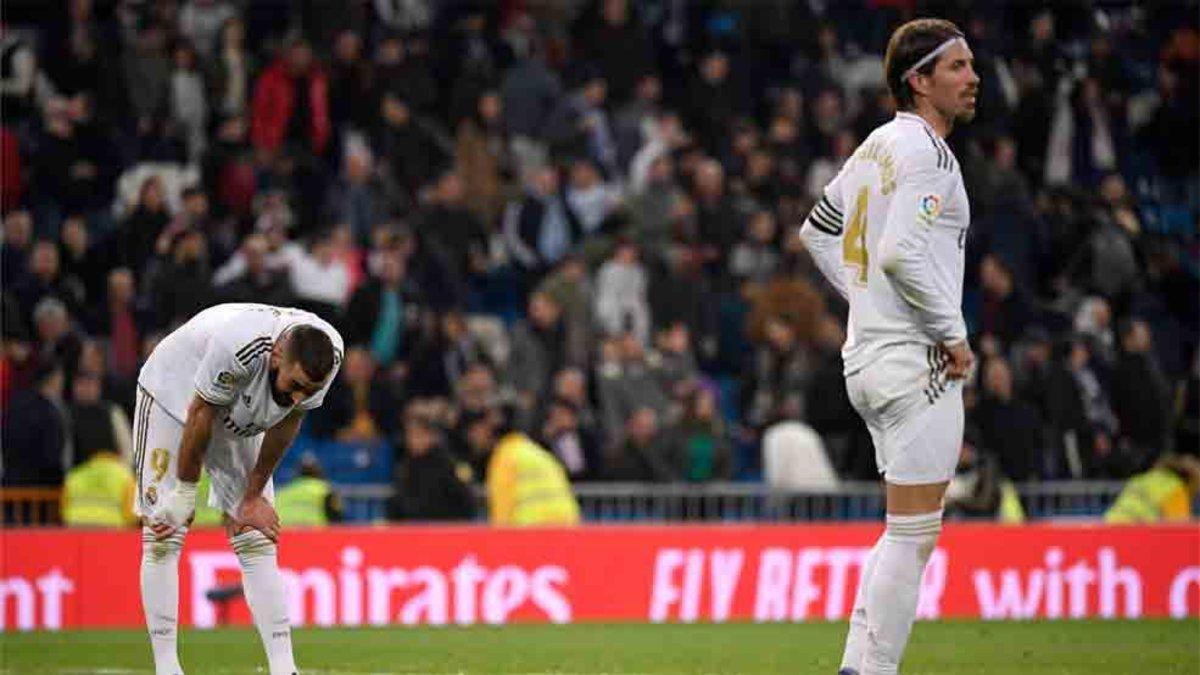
column 197, row 431
column 255, row 511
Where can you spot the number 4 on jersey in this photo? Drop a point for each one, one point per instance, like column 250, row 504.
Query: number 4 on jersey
column 854, row 243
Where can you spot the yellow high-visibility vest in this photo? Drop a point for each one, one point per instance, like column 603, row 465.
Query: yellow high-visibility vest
column 99, row 493
column 526, row 485
column 302, row 502
column 1151, row 497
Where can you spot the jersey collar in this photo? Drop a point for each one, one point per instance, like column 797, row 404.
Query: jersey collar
column 902, row 115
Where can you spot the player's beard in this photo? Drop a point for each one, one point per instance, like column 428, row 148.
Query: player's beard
column 281, row 399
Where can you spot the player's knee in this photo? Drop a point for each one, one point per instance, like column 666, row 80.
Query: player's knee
column 161, row 550
column 921, row 529
column 252, row 546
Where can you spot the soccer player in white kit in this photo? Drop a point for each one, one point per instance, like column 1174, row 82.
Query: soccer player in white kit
column 889, row 234
column 228, row 389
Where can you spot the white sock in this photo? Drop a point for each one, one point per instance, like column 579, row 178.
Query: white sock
column 895, row 584
column 263, row 586
column 856, row 637
column 160, row 598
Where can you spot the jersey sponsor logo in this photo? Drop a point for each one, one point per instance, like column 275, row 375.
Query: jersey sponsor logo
column 928, row 207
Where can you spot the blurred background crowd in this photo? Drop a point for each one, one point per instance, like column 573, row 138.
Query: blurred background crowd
column 584, row 214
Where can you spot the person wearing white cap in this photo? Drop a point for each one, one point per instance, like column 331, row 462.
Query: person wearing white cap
column 889, row 234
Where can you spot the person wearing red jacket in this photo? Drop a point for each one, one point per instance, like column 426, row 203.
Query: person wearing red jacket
column 291, row 103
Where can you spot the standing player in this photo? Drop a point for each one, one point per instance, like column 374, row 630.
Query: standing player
column 228, row 390
column 889, row 234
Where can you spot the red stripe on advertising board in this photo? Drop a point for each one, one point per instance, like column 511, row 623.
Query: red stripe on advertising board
column 52, row 579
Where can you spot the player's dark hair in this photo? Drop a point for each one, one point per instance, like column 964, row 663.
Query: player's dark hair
column 909, row 44
column 311, row 347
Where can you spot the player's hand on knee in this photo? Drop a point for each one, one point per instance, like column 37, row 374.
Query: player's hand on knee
column 961, row 359
column 176, row 512
column 258, row 513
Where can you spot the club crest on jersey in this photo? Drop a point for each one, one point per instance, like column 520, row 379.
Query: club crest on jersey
column 928, row 207
column 151, row 495
column 225, row 378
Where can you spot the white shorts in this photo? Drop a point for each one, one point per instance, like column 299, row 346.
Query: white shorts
column 156, row 437
column 914, row 414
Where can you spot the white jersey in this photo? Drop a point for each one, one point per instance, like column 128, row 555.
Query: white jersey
column 222, row 354
column 889, row 233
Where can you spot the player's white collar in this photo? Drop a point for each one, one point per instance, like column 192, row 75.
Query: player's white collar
column 904, row 115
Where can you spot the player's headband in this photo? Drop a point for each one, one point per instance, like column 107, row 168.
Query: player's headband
column 931, row 56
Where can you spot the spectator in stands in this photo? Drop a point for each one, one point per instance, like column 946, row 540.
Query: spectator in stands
column 777, row 377
column 571, row 386
column 676, row 359
column 57, row 339
column 1079, row 414
column 178, row 280
column 576, row 447
column 45, row 279
column 97, row 424
column 539, row 349
column 429, row 483
column 232, row 70
column 756, row 257
column 318, row 277
column 401, row 69
column 1008, row 426
column 718, row 222
column 189, row 100
column 829, row 412
column 713, row 101
column 483, row 158
column 644, row 452
column 449, row 224
column 360, row 406
column 258, row 282
column 1004, row 310
column 702, row 440
column 36, row 448
column 621, row 302
column 683, row 294
column 589, row 197
column 440, row 359
column 571, row 288
column 80, row 259
column 363, row 196
column 139, row 232
column 627, row 381
column 16, row 247
column 309, row 500
column 1141, row 398
column 413, row 155
column 291, row 105
column 351, row 81
column 979, row 489
column 539, row 230
column 147, row 65
column 384, row 312
column 581, row 125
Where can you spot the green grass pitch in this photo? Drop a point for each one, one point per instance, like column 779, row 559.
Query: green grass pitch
column 942, row 648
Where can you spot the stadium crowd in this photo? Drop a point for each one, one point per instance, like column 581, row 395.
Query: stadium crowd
column 585, row 214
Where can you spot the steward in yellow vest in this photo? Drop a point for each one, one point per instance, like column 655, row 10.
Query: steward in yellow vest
column 309, row 499
column 99, row 493
column 1162, row 494
column 526, row 485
